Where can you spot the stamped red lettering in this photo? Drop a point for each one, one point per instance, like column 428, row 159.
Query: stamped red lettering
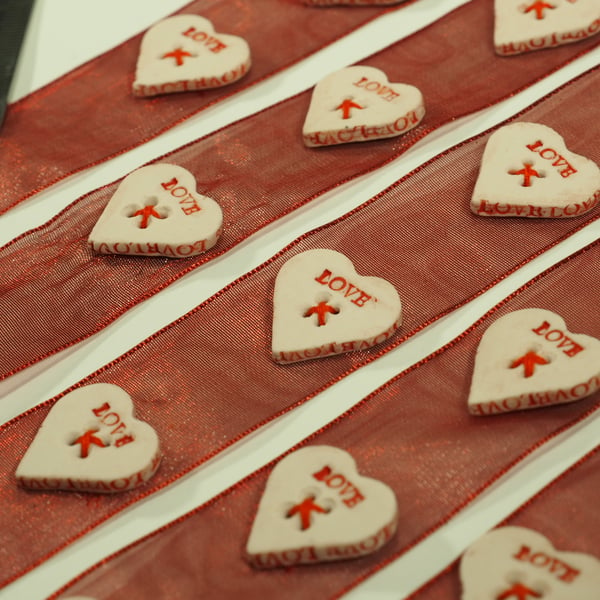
column 380, row 89
column 559, row 338
column 559, row 162
column 187, row 202
column 344, row 287
column 111, row 419
column 348, row 492
column 209, row 41
column 560, row 569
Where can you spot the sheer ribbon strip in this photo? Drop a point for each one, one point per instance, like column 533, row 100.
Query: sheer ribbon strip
column 90, row 114
column 414, row 433
column 565, row 512
column 207, row 380
column 57, row 292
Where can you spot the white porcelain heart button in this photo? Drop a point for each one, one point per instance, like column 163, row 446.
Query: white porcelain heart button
column 359, row 104
column 157, row 211
column 528, row 359
column 317, row 508
column 515, row 563
column 91, row 442
column 321, row 306
column 527, row 171
column 526, row 25
column 184, row 53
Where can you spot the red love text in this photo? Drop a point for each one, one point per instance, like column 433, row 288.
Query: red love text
column 550, row 40
column 186, row 85
column 336, row 283
column 115, row 424
column 558, row 161
column 560, row 338
column 348, row 492
column 559, row 568
column 383, row 91
column 334, row 347
column 506, row 209
column 188, row 203
column 360, row 133
column 148, row 249
column 537, row 399
column 210, row 41
column 312, row 554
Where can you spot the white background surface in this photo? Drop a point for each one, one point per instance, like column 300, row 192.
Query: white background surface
column 64, row 33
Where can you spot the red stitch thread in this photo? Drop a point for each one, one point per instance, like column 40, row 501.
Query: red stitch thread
column 86, row 440
column 528, row 361
column 304, row 510
column 528, row 172
column 179, row 54
column 538, row 7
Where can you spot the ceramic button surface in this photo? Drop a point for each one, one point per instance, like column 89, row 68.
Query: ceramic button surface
column 321, row 306
column 527, row 171
column 157, row 211
column 529, row 359
column 526, row 25
column 91, row 442
column 184, row 53
column 316, row 507
column 515, row 563
column 359, row 104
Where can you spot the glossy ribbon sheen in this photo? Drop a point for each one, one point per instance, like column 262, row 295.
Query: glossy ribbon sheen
column 414, row 434
column 57, row 292
column 208, row 380
column 564, row 511
column 56, row 119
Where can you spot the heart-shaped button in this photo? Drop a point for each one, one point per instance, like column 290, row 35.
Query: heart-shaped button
column 157, row 211
column 321, row 306
column 91, row 442
column 316, row 508
column 529, row 359
column 184, row 53
column 526, row 25
column 515, row 563
column 359, row 104
column 527, row 171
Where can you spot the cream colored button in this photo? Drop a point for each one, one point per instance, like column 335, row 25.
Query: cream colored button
column 321, row 306
column 157, row 211
column 316, row 508
column 359, row 104
column 91, row 442
column 515, row 563
column 527, row 25
column 184, row 53
column 527, row 171
column 529, row 359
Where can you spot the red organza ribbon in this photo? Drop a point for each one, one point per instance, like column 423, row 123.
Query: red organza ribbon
column 414, row 433
column 258, row 170
column 566, row 512
column 207, row 380
column 90, row 114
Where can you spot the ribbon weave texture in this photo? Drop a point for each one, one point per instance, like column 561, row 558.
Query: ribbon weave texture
column 414, row 433
column 208, row 379
column 565, row 512
column 57, row 292
column 56, row 119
